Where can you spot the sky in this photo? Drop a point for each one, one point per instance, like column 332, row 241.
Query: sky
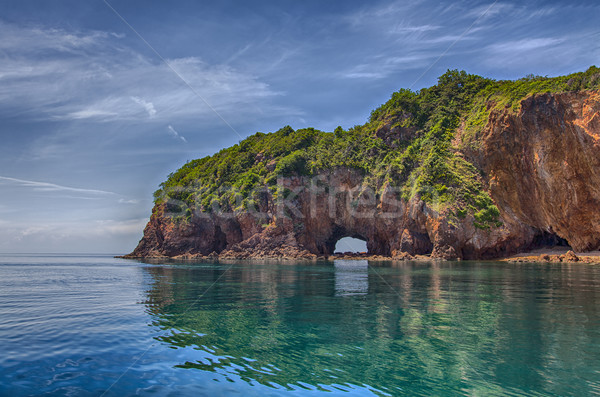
column 101, row 100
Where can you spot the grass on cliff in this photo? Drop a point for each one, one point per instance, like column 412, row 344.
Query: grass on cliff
column 507, row 94
column 415, row 152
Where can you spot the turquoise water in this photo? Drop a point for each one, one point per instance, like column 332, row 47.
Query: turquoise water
column 94, row 325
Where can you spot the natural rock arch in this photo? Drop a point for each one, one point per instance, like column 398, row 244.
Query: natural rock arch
column 306, row 223
column 338, row 234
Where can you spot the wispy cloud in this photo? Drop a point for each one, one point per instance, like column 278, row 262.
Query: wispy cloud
column 175, row 134
column 119, row 227
column 148, row 106
column 369, row 14
column 34, row 39
column 128, row 201
column 406, row 40
column 51, row 187
column 520, row 12
column 485, row 13
column 533, row 51
column 103, row 235
column 524, row 45
column 498, row 33
column 89, row 113
column 102, row 79
column 379, row 67
column 403, row 28
column 65, row 230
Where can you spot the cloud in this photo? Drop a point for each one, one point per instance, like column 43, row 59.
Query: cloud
column 521, row 13
column 536, row 53
column 148, row 106
column 66, row 192
column 524, row 45
column 405, row 39
column 33, row 39
column 104, row 235
column 367, row 16
column 175, row 133
column 379, row 67
column 403, row 28
column 119, row 227
column 128, row 201
column 90, row 113
column 485, row 12
column 492, row 35
column 96, row 76
column 52, row 187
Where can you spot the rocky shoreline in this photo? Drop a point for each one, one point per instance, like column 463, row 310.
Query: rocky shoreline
column 555, row 256
column 547, row 255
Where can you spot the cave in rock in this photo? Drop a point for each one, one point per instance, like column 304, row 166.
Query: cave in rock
column 548, row 239
column 220, row 240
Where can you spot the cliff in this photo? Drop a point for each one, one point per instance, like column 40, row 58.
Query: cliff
column 470, row 168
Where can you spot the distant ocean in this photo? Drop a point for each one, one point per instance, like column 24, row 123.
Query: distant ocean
column 76, row 325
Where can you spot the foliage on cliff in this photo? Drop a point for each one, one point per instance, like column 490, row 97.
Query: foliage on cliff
column 407, row 143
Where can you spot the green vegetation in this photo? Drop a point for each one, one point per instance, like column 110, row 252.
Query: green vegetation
column 417, row 153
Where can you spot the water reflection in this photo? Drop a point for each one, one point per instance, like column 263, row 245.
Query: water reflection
column 351, row 277
column 411, row 328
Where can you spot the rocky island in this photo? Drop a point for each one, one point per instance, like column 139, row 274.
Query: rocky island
column 470, row 168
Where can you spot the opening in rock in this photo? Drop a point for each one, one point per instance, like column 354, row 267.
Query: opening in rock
column 350, row 245
column 546, row 239
column 220, row 240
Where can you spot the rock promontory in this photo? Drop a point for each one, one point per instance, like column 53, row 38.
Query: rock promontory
column 471, row 168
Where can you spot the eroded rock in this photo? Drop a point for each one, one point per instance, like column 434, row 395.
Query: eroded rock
column 540, row 164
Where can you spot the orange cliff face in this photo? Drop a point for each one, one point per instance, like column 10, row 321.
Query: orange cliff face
column 541, row 166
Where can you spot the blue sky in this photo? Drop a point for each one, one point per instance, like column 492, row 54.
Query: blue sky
column 93, row 119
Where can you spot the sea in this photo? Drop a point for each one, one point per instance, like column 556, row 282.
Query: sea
column 93, row 325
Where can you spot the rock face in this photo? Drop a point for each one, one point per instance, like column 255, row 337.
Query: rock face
column 541, row 166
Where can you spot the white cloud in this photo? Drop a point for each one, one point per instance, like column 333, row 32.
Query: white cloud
column 119, row 227
column 34, row 39
column 51, row 187
column 536, row 53
column 370, row 15
column 148, row 106
column 403, row 28
column 520, row 13
column 489, row 11
column 65, row 192
column 379, row 67
column 524, row 45
column 101, row 79
column 407, row 40
column 89, row 113
column 175, row 134
column 106, row 235
column 128, row 201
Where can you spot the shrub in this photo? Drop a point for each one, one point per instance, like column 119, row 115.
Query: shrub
column 427, row 164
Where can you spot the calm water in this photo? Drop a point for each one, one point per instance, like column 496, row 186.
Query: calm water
column 72, row 325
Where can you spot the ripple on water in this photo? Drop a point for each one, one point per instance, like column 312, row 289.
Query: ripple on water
column 72, row 326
